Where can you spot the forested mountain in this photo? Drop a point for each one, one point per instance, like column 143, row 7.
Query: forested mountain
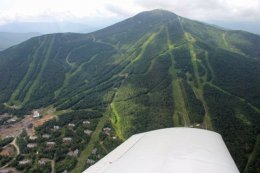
column 151, row 71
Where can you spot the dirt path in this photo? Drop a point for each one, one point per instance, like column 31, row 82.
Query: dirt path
column 16, row 146
column 52, row 166
column 67, row 60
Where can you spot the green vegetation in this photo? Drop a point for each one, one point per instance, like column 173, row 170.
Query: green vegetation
column 67, row 164
column 154, row 70
column 231, row 118
column 5, row 141
column 237, row 74
column 4, row 160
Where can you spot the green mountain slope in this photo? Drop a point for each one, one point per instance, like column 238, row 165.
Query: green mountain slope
column 151, row 71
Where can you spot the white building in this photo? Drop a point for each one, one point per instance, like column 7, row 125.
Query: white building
column 86, row 122
column 46, row 136
column 88, row 132
column 50, row 144
column 172, row 150
column 24, row 162
column 67, row 140
column 71, row 125
column 31, row 145
column 36, row 114
column 33, row 137
column 56, row 127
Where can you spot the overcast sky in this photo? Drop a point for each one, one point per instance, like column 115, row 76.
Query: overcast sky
column 233, row 13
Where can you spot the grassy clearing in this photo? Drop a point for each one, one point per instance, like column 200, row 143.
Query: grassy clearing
column 198, row 90
column 44, row 64
column 144, row 46
column 23, row 84
column 230, row 47
column 180, row 110
column 209, row 66
column 67, row 61
column 169, row 43
column 180, row 116
column 190, row 41
column 71, row 74
column 116, row 47
column 224, row 40
column 116, row 120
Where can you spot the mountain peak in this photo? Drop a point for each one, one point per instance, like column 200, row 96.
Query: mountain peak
column 157, row 13
column 161, row 11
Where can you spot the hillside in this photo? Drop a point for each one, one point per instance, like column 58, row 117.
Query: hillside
column 151, row 71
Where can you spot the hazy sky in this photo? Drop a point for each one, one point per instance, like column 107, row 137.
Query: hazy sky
column 229, row 12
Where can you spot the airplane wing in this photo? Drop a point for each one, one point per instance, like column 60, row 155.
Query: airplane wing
column 171, row 150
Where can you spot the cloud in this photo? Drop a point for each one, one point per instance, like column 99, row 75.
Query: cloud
column 208, row 10
column 115, row 10
column 118, row 11
column 196, row 9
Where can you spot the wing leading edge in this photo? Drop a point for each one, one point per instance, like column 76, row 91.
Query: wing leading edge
column 171, row 150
